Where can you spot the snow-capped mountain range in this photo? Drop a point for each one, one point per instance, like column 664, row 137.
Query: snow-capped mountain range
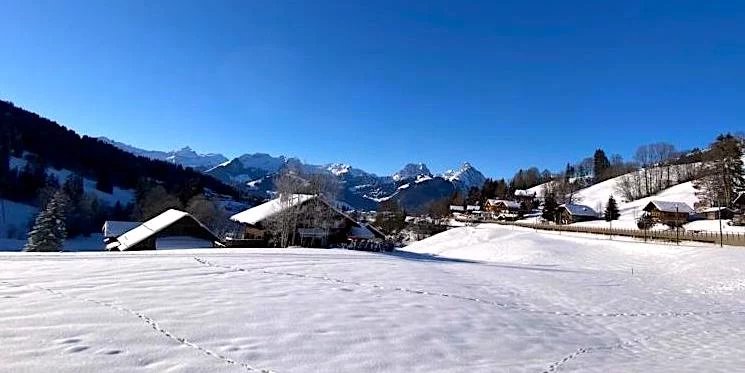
column 184, row 156
column 413, row 186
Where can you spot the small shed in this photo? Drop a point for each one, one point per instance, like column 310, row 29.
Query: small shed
column 171, row 229
column 715, row 213
column 574, row 213
column 669, row 212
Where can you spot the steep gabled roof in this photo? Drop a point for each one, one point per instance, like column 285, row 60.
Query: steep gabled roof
column 266, row 210
column 667, row 206
column 152, row 227
column 716, row 209
column 579, row 210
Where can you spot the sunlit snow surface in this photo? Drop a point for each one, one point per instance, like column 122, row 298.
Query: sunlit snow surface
column 537, row 302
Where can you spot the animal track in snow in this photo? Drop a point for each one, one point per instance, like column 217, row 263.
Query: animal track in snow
column 509, row 306
column 147, row 320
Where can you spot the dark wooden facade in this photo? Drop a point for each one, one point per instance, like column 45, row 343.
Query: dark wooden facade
column 308, row 233
column 672, row 218
column 726, row 213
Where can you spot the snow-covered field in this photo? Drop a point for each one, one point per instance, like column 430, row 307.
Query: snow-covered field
column 534, row 302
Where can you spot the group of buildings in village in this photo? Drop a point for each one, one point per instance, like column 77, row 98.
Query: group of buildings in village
column 179, row 229
column 671, row 213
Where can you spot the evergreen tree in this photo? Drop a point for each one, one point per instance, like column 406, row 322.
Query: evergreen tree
column 601, row 164
column 549, row 208
column 49, row 232
column 103, row 183
column 611, row 210
column 569, row 172
column 722, row 175
column 73, row 187
column 474, row 196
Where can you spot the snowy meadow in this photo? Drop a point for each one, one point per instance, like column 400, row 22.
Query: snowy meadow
column 472, row 299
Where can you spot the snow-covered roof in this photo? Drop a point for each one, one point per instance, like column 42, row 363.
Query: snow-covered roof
column 266, row 210
column 715, row 209
column 151, row 227
column 115, row 228
column 271, row 208
column 524, row 193
column 579, row 210
column 473, row 208
column 508, row 204
column 456, row 208
column 667, row 206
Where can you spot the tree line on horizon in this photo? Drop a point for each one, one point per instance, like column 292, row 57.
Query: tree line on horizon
column 653, row 168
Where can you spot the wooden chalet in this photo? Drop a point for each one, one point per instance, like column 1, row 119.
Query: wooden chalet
column 574, row 213
column 503, row 209
column 525, row 197
column 669, row 213
column 171, row 229
column 316, row 222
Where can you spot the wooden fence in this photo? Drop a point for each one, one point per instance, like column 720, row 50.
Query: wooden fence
column 727, row 238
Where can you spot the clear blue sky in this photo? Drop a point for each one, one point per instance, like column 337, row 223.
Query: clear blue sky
column 378, row 84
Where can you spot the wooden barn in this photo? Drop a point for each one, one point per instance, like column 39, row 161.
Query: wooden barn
column 669, row 213
column 169, row 230
column 315, row 222
column 574, row 213
column 714, row 213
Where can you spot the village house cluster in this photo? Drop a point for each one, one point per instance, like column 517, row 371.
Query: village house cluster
column 670, row 213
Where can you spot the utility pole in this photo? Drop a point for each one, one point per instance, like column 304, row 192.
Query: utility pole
column 677, row 228
column 721, row 236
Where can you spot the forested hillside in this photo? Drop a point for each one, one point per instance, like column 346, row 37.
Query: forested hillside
column 44, row 143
